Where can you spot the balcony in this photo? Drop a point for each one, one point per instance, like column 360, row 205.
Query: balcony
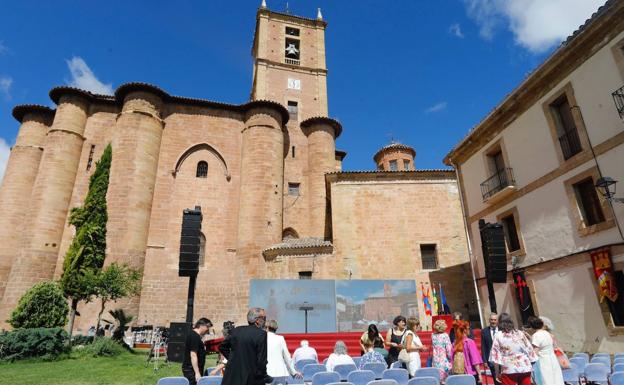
column 498, row 186
column 618, row 98
column 294, row 62
column 570, row 143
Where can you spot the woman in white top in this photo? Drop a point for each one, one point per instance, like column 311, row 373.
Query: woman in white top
column 549, row 367
column 279, row 364
column 411, row 343
column 338, row 357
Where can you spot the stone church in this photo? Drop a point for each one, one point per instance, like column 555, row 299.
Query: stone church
column 266, row 174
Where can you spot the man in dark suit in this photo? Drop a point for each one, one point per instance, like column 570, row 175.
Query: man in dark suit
column 487, row 337
column 246, row 352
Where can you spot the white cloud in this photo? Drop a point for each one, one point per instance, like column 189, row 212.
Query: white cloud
column 455, row 30
column 436, row 108
column 536, row 24
column 5, row 86
column 84, row 78
column 5, row 151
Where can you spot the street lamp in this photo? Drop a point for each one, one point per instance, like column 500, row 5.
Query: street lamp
column 606, row 186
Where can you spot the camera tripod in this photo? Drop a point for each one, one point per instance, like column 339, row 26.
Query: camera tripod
column 158, row 349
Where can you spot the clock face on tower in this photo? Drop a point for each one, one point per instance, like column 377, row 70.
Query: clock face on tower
column 294, row 84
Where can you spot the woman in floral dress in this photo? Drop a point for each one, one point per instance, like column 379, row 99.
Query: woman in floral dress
column 441, row 346
column 512, row 354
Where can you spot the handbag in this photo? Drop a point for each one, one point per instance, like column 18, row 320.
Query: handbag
column 564, row 362
column 403, row 354
column 429, row 363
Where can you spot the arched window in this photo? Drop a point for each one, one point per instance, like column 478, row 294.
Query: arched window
column 202, row 249
column 289, row 233
column 202, row 169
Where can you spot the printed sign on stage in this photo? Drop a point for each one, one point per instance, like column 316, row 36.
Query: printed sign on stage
column 344, row 305
column 360, row 302
column 282, row 299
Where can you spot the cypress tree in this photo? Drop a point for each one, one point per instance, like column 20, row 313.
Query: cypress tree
column 85, row 256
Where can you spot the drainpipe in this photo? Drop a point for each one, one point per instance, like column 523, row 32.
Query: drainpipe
column 470, row 255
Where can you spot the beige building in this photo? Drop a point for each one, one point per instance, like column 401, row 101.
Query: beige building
column 532, row 165
column 266, row 174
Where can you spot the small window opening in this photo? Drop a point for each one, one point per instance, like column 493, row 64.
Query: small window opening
column 292, row 31
column 293, row 151
column 293, row 189
column 394, row 165
column 305, row 274
column 293, row 108
column 428, row 256
column 588, row 202
column 566, row 127
column 90, row 161
column 202, row 169
column 511, row 233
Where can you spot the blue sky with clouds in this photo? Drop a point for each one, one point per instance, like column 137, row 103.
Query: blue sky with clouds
column 419, row 72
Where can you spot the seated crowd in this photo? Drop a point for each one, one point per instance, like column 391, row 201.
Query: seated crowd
column 508, row 356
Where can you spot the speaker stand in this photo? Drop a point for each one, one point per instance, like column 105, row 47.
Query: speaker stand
column 190, row 298
column 491, row 296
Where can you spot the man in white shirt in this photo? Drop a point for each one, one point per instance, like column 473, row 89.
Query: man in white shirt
column 305, row 352
column 279, row 364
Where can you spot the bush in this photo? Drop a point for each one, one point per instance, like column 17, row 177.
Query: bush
column 81, row 340
column 42, row 306
column 46, row 343
column 103, row 347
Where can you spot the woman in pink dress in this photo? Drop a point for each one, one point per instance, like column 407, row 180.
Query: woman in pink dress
column 465, row 349
column 441, row 346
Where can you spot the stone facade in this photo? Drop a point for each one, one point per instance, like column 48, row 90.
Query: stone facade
column 274, row 201
column 549, row 228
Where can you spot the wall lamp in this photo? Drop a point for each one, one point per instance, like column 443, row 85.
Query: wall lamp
column 606, row 186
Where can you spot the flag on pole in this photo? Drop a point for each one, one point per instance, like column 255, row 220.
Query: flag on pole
column 445, row 307
column 425, row 297
column 436, row 310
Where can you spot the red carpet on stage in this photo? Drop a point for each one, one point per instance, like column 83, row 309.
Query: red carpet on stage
column 324, row 342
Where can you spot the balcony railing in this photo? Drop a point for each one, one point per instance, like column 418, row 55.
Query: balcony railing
column 497, row 182
column 570, row 143
column 618, row 98
column 294, row 62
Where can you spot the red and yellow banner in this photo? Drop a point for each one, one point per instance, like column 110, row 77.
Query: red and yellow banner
column 603, row 270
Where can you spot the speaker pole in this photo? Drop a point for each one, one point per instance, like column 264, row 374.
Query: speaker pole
column 486, row 259
column 491, row 296
column 190, row 298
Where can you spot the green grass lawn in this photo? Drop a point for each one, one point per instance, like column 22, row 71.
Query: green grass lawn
column 125, row 369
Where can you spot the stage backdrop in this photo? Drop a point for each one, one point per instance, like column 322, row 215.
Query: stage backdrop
column 345, row 305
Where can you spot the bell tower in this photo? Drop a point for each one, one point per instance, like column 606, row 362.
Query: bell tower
column 289, row 62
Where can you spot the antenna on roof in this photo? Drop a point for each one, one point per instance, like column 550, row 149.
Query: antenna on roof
column 287, row 8
column 263, row 4
column 390, row 135
column 319, row 15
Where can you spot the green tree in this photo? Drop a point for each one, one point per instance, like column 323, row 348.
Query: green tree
column 42, row 306
column 85, row 256
column 115, row 282
column 121, row 321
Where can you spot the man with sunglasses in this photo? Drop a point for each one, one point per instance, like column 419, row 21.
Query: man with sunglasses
column 246, row 352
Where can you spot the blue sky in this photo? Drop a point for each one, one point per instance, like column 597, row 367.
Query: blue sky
column 416, row 71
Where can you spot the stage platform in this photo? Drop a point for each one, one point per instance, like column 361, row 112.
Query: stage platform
column 324, row 342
